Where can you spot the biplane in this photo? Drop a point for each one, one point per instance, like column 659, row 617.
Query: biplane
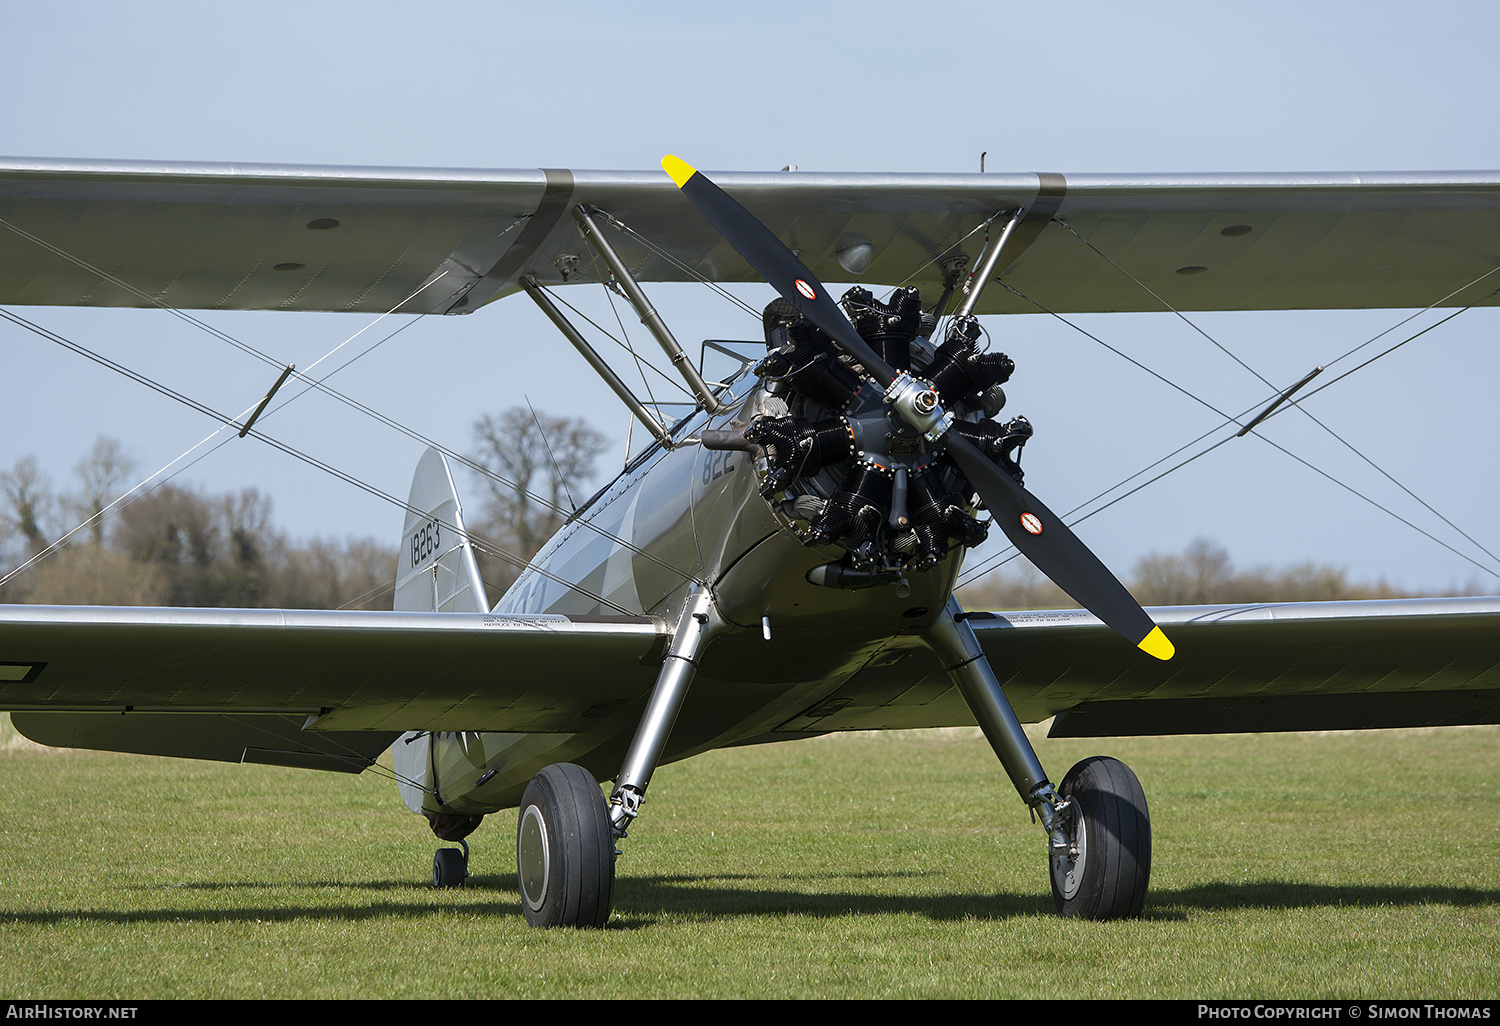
column 780, row 562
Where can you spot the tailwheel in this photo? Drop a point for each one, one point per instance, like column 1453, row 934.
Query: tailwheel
column 450, row 867
column 1104, row 873
column 565, row 852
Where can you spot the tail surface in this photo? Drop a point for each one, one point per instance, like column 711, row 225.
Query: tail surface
column 437, row 571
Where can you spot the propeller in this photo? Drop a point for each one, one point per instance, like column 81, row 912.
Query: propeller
column 1031, row 527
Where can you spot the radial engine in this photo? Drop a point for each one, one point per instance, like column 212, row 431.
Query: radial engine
column 843, row 468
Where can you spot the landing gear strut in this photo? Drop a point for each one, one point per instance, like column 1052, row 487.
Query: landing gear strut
column 565, row 840
column 1098, row 828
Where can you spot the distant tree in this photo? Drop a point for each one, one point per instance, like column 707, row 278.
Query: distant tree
column 1202, row 574
column 29, row 503
column 172, row 528
column 532, row 472
column 173, row 545
column 102, row 478
column 324, row 574
column 1017, row 585
column 1199, row 576
column 91, row 575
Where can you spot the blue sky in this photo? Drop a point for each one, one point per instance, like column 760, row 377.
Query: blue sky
column 872, row 86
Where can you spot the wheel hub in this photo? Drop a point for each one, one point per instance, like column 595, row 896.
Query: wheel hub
column 531, row 858
column 1068, row 867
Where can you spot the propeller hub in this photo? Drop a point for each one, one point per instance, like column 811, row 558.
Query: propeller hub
column 918, row 405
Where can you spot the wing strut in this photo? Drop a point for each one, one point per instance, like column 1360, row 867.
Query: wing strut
column 649, row 317
column 987, row 268
column 595, row 360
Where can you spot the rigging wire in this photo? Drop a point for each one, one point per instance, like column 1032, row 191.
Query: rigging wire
column 371, row 765
column 1168, row 306
column 1298, row 403
column 557, row 297
column 998, row 561
column 609, row 295
column 679, row 264
column 140, row 490
column 972, row 575
column 481, row 544
column 320, row 385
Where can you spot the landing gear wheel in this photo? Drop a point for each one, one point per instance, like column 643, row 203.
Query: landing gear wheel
column 1106, row 874
column 450, row 867
column 565, row 851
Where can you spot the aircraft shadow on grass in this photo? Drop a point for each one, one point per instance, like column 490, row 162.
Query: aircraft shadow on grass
column 641, row 901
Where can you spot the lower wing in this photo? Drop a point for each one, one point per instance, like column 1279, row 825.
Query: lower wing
column 328, row 690
column 1239, row 668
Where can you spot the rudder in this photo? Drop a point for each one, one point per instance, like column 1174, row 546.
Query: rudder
column 437, row 569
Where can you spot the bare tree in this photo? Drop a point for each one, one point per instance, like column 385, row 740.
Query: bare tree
column 1202, row 574
column 174, row 545
column 1018, row 585
column 532, row 471
column 29, row 502
column 102, row 477
column 91, row 575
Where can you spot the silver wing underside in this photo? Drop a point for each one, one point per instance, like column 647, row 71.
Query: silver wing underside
column 266, row 237
column 329, row 690
column 1253, row 667
column 332, row 690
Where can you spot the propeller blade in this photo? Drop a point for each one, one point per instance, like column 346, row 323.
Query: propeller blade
column 1034, row 529
column 1055, row 550
column 772, row 260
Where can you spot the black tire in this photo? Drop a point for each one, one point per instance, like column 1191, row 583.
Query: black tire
column 1112, row 829
column 565, row 850
column 450, row 868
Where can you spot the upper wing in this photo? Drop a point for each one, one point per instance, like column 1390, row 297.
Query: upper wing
column 246, row 236
column 308, row 688
column 1289, row 666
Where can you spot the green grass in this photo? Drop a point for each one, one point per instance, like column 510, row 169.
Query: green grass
column 900, row 865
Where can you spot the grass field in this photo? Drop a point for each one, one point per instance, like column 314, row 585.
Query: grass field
column 897, row 865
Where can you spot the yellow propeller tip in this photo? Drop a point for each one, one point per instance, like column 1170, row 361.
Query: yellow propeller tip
column 679, row 169
column 1156, row 644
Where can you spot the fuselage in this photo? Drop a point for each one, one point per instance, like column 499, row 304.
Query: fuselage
column 694, row 513
column 689, row 513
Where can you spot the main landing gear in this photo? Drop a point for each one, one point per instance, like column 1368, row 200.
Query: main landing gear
column 565, row 838
column 1103, row 872
column 1098, row 827
column 565, row 851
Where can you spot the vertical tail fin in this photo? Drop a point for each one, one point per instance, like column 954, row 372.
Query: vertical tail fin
column 437, row 571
